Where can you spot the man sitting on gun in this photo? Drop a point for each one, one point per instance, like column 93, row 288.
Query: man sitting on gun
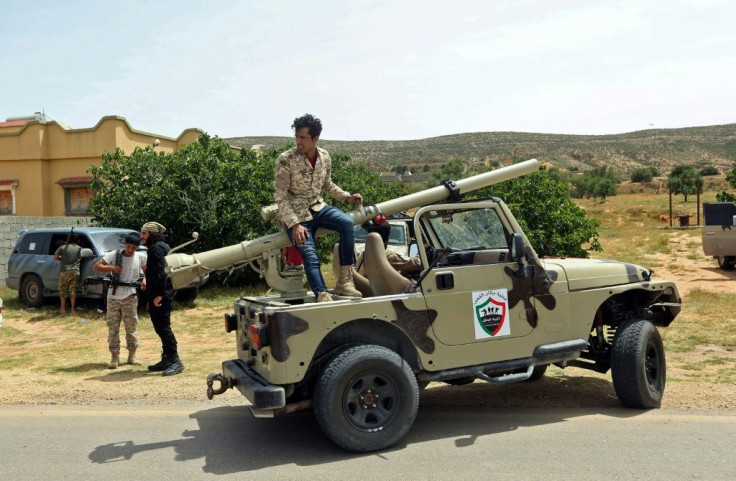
column 126, row 267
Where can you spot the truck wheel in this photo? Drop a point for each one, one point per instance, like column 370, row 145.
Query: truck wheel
column 726, row 262
column 366, row 398
column 638, row 366
column 31, row 291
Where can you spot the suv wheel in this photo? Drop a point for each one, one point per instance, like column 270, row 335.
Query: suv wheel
column 726, row 262
column 638, row 365
column 366, row 399
column 31, row 291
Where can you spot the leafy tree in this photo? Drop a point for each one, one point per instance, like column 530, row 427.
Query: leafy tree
column 209, row 188
column 603, row 187
column 399, row 169
column 724, row 196
column 709, row 170
column 642, row 174
column 599, row 182
column 205, row 187
column 685, row 180
column 554, row 224
column 731, row 176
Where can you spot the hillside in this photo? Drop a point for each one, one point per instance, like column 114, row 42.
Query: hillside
column 662, row 148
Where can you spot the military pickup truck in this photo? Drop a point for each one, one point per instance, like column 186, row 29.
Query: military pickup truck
column 485, row 307
column 719, row 233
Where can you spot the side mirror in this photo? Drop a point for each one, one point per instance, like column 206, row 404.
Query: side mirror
column 517, row 247
column 86, row 252
column 517, row 254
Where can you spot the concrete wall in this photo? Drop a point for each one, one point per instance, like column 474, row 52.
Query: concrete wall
column 11, row 225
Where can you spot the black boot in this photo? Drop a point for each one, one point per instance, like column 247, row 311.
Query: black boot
column 164, row 363
column 175, row 367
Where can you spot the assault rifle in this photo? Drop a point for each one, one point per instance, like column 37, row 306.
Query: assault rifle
column 111, row 281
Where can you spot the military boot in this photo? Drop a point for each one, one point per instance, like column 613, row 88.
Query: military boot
column 175, row 367
column 114, row 361
column 324, row 296
column 132, row 360
column 162, row 364
column 345, row 285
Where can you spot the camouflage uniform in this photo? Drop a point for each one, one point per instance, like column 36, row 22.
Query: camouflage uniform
column 297, row 189
column 68, row 281
column 122, row 304
column 401, row 263
column 70, row 258
column 125, row 310
column 297, row 186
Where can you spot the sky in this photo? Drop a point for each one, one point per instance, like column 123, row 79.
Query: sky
column 372, row 69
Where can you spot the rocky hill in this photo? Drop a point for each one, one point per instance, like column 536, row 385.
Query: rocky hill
column 661, row 148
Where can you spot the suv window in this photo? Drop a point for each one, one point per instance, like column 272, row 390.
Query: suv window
column 33, row 243
column 109, row 241
column 469, row 229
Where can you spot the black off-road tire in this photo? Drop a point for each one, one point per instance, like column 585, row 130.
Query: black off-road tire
column 188, row 294
column 366, row 398
column 538, row 372
column 31, row 291
column 726, row 263
column 638, row 365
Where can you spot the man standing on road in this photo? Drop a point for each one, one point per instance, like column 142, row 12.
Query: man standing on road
column 126, row 266
column 302, row 173
column 69, row 255
column 160, row 298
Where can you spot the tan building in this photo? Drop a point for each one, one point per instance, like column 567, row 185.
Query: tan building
column 43, row 164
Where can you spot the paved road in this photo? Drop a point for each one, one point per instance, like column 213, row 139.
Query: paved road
column 204, row 441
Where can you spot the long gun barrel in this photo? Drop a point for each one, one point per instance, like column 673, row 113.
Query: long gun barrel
column 185, row 268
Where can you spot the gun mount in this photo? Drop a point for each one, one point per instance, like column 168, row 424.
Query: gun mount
column 185, row 268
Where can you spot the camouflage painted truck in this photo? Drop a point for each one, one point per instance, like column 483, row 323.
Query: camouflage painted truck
column 719, row 233
column 486, row 307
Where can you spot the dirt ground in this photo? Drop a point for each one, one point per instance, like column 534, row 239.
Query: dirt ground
column 86, row 380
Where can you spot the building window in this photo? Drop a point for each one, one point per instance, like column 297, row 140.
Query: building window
column 7, row 196
column 77, row 194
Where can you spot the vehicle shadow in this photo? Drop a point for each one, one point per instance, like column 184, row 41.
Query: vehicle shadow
column 87, row 367
column 231, row 440
column 120, row 376
column 111, row 375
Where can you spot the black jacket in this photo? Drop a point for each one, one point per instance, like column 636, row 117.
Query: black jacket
column 157, row 282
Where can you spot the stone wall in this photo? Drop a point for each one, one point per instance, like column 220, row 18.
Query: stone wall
column 11, row 225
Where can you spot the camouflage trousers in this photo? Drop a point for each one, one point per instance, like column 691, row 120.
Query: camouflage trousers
column 125, row 311
column 68, row 281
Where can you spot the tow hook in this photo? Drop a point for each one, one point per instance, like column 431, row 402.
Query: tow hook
column 225, row 384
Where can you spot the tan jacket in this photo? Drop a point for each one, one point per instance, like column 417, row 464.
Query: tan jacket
column 297, row 186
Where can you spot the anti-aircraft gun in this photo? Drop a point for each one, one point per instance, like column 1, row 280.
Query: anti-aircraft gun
column 264, row 253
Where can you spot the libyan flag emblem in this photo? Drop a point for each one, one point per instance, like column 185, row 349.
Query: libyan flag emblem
column 491, row 315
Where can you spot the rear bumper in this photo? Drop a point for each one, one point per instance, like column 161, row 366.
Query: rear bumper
column 260, row 393
column 12, row 283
